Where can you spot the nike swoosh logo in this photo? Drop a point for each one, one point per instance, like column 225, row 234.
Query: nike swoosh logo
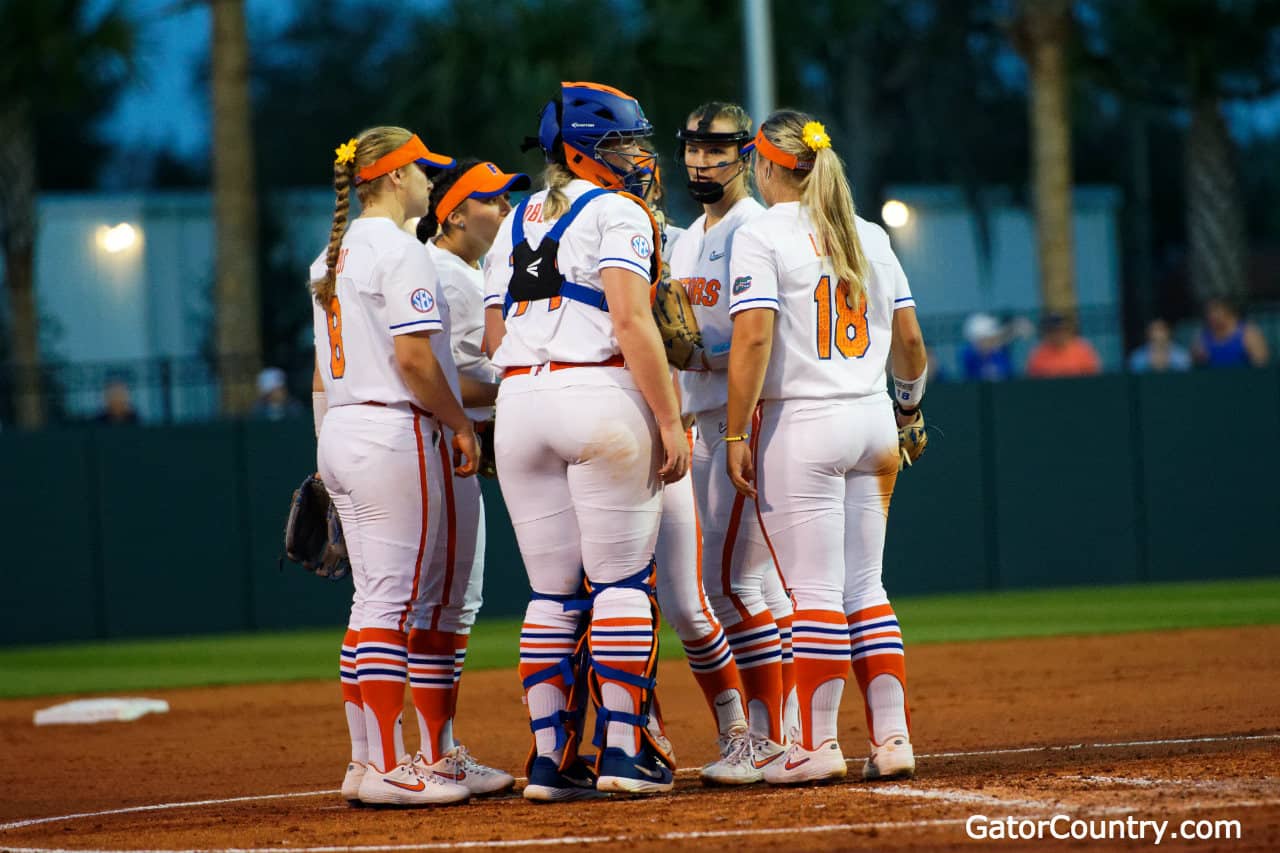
column 421, row 786
column 726, row 703
column 715, row 257
column 652, row 774
column 453, row 777
column 760, row 765
column 790, row 766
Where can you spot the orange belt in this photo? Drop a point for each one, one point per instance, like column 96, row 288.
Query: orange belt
column 616, row 361
column 417, row 409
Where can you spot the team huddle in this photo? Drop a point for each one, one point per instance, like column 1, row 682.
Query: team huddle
column 737, row 482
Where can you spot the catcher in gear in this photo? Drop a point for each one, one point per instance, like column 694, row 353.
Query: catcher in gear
column 313, row 532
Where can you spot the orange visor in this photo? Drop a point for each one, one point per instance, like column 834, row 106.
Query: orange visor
column 483, row 180
column 412, row 151
column 773, row 153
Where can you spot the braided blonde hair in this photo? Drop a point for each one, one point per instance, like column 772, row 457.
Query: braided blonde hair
column 826, row 195
column 370, row 145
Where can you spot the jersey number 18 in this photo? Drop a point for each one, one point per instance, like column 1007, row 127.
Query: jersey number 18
column 849, row 329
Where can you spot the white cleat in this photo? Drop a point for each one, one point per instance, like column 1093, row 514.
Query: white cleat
column 799, row 765
column 457, row 765
column 734, row 766
column 351, row 782
column 765, row 752
column 893, row 759
column 407, row 784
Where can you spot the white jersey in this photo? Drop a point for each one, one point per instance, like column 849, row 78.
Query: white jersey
column 462, row 287
column 387, row 286
column 700, row 262
column 821, row 348
column 610, row 232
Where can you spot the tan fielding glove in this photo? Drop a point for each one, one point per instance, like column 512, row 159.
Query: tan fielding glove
column 912, row 439
column 677, row 325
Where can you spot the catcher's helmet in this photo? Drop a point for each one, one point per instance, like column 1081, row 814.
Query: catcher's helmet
column 577, row 128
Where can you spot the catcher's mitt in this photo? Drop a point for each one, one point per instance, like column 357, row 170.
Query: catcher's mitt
column 912, row 439
column 677, row 325
column 313, row 532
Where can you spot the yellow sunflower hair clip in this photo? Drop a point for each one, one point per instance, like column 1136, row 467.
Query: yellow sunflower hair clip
column 815, row 136
column 346, row 152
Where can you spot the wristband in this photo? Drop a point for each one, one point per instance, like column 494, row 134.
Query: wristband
column 319, row 405
column 908, row 393
column 741, row 437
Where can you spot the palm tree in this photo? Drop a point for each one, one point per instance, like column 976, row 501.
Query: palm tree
column 1194, row 57
column 53, row 56
column 1041, row 31
column 239, row 338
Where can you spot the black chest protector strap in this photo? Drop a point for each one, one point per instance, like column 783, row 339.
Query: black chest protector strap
column 535, row 271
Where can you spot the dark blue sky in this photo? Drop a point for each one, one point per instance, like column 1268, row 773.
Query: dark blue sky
column 168, row 108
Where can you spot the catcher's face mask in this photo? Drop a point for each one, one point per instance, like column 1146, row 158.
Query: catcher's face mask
column 707, row 155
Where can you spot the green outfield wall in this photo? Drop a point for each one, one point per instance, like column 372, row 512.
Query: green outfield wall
column 153, row 531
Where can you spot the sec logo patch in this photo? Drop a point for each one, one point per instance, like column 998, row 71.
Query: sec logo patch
column 741, row 285
column 641, row 246
column 422, row 300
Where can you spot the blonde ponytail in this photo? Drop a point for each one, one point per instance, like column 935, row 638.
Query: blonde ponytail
column 557, row 177
column 360, row 151
column 827, row 197
column 327, row 286
column 825, row 194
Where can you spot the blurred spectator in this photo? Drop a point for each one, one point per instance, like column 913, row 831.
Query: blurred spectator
column 1227, row 341
column 1062, row 352
column 1159, row 353
column 274, row 402
column 117, row 404
column 985, row 354
column 937, row 370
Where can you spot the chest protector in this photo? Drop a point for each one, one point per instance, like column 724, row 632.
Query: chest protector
column 535, row 270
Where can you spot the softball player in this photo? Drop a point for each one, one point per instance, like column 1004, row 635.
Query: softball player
column 736, row 566
column 466, row 206
column 588, row 428
column 383, row 396
column 819, row 304
column 678, row 555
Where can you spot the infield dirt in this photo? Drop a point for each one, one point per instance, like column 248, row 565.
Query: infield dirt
column 1179, row 725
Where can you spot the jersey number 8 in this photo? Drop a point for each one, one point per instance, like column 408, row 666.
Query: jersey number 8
column 337, row 355
column 849, row 331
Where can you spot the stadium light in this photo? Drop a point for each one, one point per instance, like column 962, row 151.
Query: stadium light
column 118, row 238
column 895, row 214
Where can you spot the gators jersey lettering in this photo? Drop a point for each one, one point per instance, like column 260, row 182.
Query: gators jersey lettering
column 822, row 348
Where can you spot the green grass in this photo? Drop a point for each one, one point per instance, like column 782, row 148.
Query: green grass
column 293, row 655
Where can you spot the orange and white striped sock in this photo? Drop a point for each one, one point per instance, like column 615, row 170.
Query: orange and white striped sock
column 382, row 668
column 790, row 701
column 713, row 667
column 757, row 650
column 621, row 637
column 547, row 639
column 351, row 701
column 880, row 667
column 431, row 664
column 821, row 646
column 447, row 739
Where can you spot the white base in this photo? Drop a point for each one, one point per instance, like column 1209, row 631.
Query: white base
column 99, row 711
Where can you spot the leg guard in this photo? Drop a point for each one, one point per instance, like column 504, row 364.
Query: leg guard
column 572, row 667
column 644, row 681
